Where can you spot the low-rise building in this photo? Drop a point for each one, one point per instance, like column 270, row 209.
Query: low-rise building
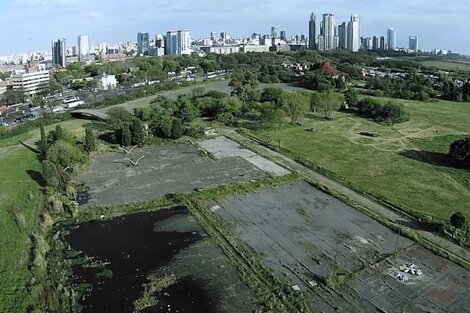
column 30, row 82
column 255, row 48
column 221, row 49
column 106, row 81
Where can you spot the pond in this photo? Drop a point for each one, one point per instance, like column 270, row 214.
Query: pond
column 163, row 242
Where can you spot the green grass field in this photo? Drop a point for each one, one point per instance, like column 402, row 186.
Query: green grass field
column 449, row 65
column 20, row 200
column 403, row 166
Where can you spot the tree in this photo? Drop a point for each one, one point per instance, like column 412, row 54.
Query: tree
column 459, row 153
column 161, row 123
column 198, row 92
column 295, row 104
column 137, row 132
column 457, row 220
column 273, row 95
column 60, row 134
column 63, row 159
column 126, row 137
column 328, row 102
column 119, row 117
column 90, row 141
column 176, row 128
column 42, row 142
column 244, row 83
column 271, row 114
column 350, row 96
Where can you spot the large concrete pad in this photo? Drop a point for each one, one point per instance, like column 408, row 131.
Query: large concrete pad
column 163, row 170
column 222, row 147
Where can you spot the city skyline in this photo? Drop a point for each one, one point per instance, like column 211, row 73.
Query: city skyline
column 103, row 21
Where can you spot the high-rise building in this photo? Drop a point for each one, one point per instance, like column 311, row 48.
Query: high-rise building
column 382, row 43
column 59, row 53
column 214, row 36
column 143, row 43
column 375, row 43
column 328, row 31
column 312, row 32
column 283, row 35
column 391, row 38
column 223, row 37
column 273, row 32
column 183, row 42
column 342, row 36
column 178, row 42
column 413, row 43
column 354, row 33
column 171, row 43
column 83, row 48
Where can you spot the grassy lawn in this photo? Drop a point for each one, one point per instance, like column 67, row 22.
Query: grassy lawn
column 403, row 166
column 448, row 65
column 20, row 199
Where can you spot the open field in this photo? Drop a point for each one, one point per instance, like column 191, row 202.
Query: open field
column 399, row 166
column 449, row 65
column 163, row 170
column 20, row 200
column 164, row 243
column 306, row 235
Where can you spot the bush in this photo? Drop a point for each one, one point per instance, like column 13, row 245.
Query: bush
column 176, row 128
column 457, row 220
column 459, row 153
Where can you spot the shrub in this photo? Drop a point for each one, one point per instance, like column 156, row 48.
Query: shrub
column 457, row 220
column 459, row 153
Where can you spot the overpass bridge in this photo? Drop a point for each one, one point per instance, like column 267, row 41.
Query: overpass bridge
column 91, row 114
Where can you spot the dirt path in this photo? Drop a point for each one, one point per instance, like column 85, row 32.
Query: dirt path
column 398, row 218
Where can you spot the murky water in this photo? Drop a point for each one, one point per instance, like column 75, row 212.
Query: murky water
column 136, row 246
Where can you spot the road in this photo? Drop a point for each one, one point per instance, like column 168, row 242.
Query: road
column 391, row 215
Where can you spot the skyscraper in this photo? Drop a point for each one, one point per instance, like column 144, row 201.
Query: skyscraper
column 178, row 42
column 354, row 33
column 274, row 32
column 413, row 43
column 143, row 43
column 391, row 38
column 375, row 43
column 283, row 35
column 183, row 42
column 382, row 43
column 170, row 43
column 214, row 36
column 83, row 48
column 342, row 36
column 312, row 32
column 328, row 31
column 59, row 53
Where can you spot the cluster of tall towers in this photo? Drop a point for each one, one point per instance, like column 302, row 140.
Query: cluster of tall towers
column 331, row 36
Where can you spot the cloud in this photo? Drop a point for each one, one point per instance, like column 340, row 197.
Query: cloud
column 95, row 14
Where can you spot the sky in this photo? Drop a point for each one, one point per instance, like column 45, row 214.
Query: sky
column 440, row 24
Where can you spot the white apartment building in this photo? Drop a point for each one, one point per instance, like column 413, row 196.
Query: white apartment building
column 221, row 49
column 30, row 83
column 106, row 81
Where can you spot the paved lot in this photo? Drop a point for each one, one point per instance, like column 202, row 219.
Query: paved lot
column 222, row 147
column 163, row 170
column 304, row 233
column 443, row 287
